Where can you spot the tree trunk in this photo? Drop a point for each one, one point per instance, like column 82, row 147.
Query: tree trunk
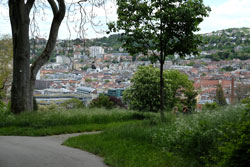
column 162, row 99
column 24, row 76
column 21, row 98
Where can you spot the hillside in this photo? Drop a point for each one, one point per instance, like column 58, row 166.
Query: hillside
column 227, row 44
column 219, row 45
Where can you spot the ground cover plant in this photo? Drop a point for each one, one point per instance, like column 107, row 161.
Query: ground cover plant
column 193, row 140
column 55, row 120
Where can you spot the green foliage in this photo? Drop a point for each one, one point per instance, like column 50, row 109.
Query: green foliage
column 219, row 97
column 210, row 106
column 160, row 28
column 236, row 152
column 246, row 101
column 183, row 141
column 2, row 107
column 144, row 93
column 85, row 68
column 141, row 19
column 229, row 44
column 182, row 89
column 123, row 146
column 5, row 63
column 52, row 120
column 73, row 103
column 102, row 101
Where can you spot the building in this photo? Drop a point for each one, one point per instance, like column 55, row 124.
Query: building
column 62, row 60
column 96, row 51
column 115, row 92
column 86, row 90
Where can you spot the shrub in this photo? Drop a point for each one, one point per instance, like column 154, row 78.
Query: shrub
column 117, row 102
column 196, row 137
column 2, row 107
column 72, row 103
column 102, row 101
column 144, row 94
column 211, row 106
column 235, row 150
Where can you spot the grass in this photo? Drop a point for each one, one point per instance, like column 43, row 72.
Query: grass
column 184, row 141
column 132, row 139
column 53, row 121
column 124, row 145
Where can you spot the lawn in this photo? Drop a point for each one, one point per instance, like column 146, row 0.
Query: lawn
column 55, row 121
column 133, row 139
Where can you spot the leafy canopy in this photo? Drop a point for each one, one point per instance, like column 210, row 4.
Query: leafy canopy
column 144, row 93
column 165, row 26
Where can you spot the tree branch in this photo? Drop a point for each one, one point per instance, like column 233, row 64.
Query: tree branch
column 29, row 5
column 51, row 43
column 53, row 6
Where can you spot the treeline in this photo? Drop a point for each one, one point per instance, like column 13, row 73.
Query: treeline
column 227, row 44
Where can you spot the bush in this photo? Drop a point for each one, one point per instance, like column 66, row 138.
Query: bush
column 235, row 150
column 117, row 102
column 102, row 101
column 144, row 94
column 72, row 104
column 211, row 106
column 196, row 137
column 2, row 107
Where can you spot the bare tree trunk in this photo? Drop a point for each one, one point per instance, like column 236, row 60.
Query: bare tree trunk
column 21, row 99
column 24, row 76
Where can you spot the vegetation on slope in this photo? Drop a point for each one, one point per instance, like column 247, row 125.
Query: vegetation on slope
column 211, row 138
column 227, row 44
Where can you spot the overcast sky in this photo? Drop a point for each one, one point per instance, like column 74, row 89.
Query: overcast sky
column 224, row 14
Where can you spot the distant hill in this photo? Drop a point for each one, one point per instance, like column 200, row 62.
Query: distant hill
column 227, row 44
column 219, row 45
column 106, row 42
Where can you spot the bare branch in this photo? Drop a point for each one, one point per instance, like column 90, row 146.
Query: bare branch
column 44, row 57
column 53, row 6
column 29, row 5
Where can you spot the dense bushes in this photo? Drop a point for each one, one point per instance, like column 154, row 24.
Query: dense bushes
column 72, row 103
column 235, row 148
column 144, row 94
column 107, row 102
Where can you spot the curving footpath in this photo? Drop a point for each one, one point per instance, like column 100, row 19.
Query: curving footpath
column 19, row 151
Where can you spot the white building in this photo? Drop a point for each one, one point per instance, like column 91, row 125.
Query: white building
column 96, row 51
column 62, row 60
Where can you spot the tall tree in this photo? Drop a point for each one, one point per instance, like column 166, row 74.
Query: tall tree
column 163, row 27
column 24, row 75
column 219, row 97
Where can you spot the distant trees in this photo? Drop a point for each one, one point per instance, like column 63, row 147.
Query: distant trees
column 161, row 27
column 219, row 97
column 228, row 44
column 143, row 94
column 5, row 64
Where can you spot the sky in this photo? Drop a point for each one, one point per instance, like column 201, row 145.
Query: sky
column 224, row 14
